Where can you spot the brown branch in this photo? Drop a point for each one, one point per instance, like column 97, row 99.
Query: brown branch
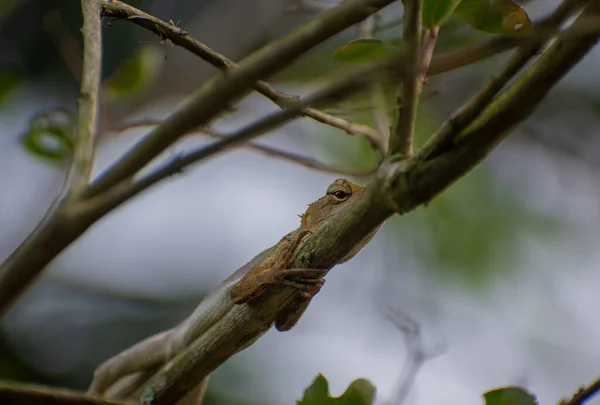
column 11, row 391
column 401, row 135
column 176, row 35
column 305, row 161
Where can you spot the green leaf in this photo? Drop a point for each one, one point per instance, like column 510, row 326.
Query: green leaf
column 495, row 16
column 364, row 50
column 436, row 11
column 359, row 392
column 49, row 135
column 509, row 396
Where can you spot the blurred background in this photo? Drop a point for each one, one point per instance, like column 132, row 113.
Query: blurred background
column 500, row 273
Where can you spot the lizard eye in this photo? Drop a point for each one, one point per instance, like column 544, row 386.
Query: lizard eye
column 340, row 195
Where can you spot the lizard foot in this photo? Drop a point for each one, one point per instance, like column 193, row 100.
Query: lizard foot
column 307, row 281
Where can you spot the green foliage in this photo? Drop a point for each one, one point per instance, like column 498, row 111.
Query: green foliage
column 359, row 392
column 495, row 16
column 364, row 50
column 49, row 135
column 472, row 230
column 436, row 11
column 509, row 396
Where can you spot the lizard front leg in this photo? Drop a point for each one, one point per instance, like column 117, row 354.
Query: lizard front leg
column 272, row 270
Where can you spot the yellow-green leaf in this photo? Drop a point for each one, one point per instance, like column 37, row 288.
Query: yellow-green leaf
column 364, row 50
column 509, row 396
column 436, row 11
column 49, row 135
column 495, row 16
column 359, row 392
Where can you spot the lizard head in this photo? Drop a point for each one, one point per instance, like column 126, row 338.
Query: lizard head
column 339, row 195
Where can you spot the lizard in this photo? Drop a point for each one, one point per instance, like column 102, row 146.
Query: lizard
column 124, row 373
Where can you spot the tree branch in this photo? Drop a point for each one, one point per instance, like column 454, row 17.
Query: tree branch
column 55, row 232
column 401, row 136
column 87, row 123
column 176, row 35
column 11, row 391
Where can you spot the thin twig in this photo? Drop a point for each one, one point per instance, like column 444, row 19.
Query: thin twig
column 401, row 135
column 417, row 355
column 179, row 37
column 12, row 391
column 19, row 270
column 366, row 29
column 461, row 118
column 87, row 123
column 305, row 161
column 583, row 394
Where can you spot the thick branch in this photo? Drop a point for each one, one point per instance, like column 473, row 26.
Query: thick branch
column 85, row 136
column 401, row 136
